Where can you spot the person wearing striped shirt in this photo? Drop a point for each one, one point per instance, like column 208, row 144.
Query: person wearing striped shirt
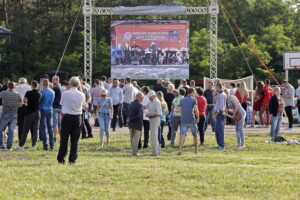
column 11, row 100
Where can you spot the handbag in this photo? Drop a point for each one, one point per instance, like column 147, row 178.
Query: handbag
column 237, row 117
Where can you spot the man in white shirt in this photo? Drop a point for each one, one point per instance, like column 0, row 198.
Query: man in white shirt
column 128, row 91
column 288, row 94
column 116, row 94
column 146, row 124
column 72, row 102
column 21, row 88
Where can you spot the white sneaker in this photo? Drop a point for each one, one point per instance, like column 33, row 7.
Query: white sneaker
column 18, row 148
column 241, row 147
column 288, row 128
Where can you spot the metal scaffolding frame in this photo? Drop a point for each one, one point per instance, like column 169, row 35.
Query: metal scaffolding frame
column 89, row 10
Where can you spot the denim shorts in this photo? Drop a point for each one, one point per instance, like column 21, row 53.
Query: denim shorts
column 184, row 127
column 56, row 116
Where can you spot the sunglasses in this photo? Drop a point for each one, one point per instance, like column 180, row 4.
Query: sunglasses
column 103, row 95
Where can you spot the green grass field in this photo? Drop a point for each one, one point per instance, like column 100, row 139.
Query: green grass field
column 262, row 171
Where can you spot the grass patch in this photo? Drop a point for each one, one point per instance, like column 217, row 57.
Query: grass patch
column 262, row 171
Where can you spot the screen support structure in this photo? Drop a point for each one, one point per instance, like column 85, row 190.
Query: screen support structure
column 89, row 10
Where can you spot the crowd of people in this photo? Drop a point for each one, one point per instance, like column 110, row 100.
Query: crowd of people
column 48, row 109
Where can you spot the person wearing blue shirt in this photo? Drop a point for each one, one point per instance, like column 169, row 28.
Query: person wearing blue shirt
column 46, row 108
column 189, row 119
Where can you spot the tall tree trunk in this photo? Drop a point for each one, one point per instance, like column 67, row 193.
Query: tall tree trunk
column 5, row 13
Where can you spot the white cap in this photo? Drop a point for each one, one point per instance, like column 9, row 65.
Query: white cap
column 151, row 93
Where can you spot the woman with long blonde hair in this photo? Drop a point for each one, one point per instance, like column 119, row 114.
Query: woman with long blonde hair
column 165, row 112
column 242, row 95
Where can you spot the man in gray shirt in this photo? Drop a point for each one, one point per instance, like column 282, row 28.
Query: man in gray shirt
column 220, row 115
column 288, row 95
column 11, row 100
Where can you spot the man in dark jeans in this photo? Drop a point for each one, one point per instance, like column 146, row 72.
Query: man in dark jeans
column 11, row 101
column 169, row 97
column 32, row 116
column 288, row 95
column 208, row 94
column 72, row 102
column 116, row 94
column 146, row 123
column 46, row 109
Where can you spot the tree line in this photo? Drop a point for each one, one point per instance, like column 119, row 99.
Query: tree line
column 41, row 28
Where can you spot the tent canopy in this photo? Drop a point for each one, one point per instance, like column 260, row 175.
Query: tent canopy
column 4, row 32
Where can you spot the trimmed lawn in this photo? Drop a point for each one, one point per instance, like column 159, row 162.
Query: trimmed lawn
column 261, row 171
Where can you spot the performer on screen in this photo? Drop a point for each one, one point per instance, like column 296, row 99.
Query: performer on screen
column 118, row 55
column 153, row 50
column 127, row 58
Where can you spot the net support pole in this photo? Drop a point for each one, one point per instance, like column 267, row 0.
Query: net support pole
column 88, row 39
column 213, row 26
column 287, row 75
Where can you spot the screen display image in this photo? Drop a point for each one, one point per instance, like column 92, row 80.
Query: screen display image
column 150, row 49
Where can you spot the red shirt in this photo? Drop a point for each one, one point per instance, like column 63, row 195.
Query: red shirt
column 267, row 94
column 202, row 103
column 239, row 97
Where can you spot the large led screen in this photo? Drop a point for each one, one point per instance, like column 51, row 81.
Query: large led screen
column 150, row 49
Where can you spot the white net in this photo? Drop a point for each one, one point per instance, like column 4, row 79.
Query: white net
column 248, row 80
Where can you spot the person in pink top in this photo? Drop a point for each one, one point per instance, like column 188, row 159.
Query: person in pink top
column 96, row 96
column 202, row 105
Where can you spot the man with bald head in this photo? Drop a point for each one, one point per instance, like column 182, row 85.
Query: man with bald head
column 135, row 124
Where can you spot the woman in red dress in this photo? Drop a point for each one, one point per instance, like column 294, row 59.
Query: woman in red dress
column 257, row 100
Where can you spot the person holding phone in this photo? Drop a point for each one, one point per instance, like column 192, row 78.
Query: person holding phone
column 239, row 115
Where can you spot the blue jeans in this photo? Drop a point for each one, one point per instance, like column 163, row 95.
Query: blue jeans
column 46, row 123
column 239, row 129
column 161, row 139
column 104, row 122
column 8, row 120
column 56, row 117
column 125, row 112
column 220, row 130
column 275, row 125
column 210, row 117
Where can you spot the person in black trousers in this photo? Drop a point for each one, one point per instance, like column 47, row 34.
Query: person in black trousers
column 31, row 116
column 169, row 97
column 72, row 102
column 202, row 106
column 288, row 94
column 86, row 128
column 146, row 124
